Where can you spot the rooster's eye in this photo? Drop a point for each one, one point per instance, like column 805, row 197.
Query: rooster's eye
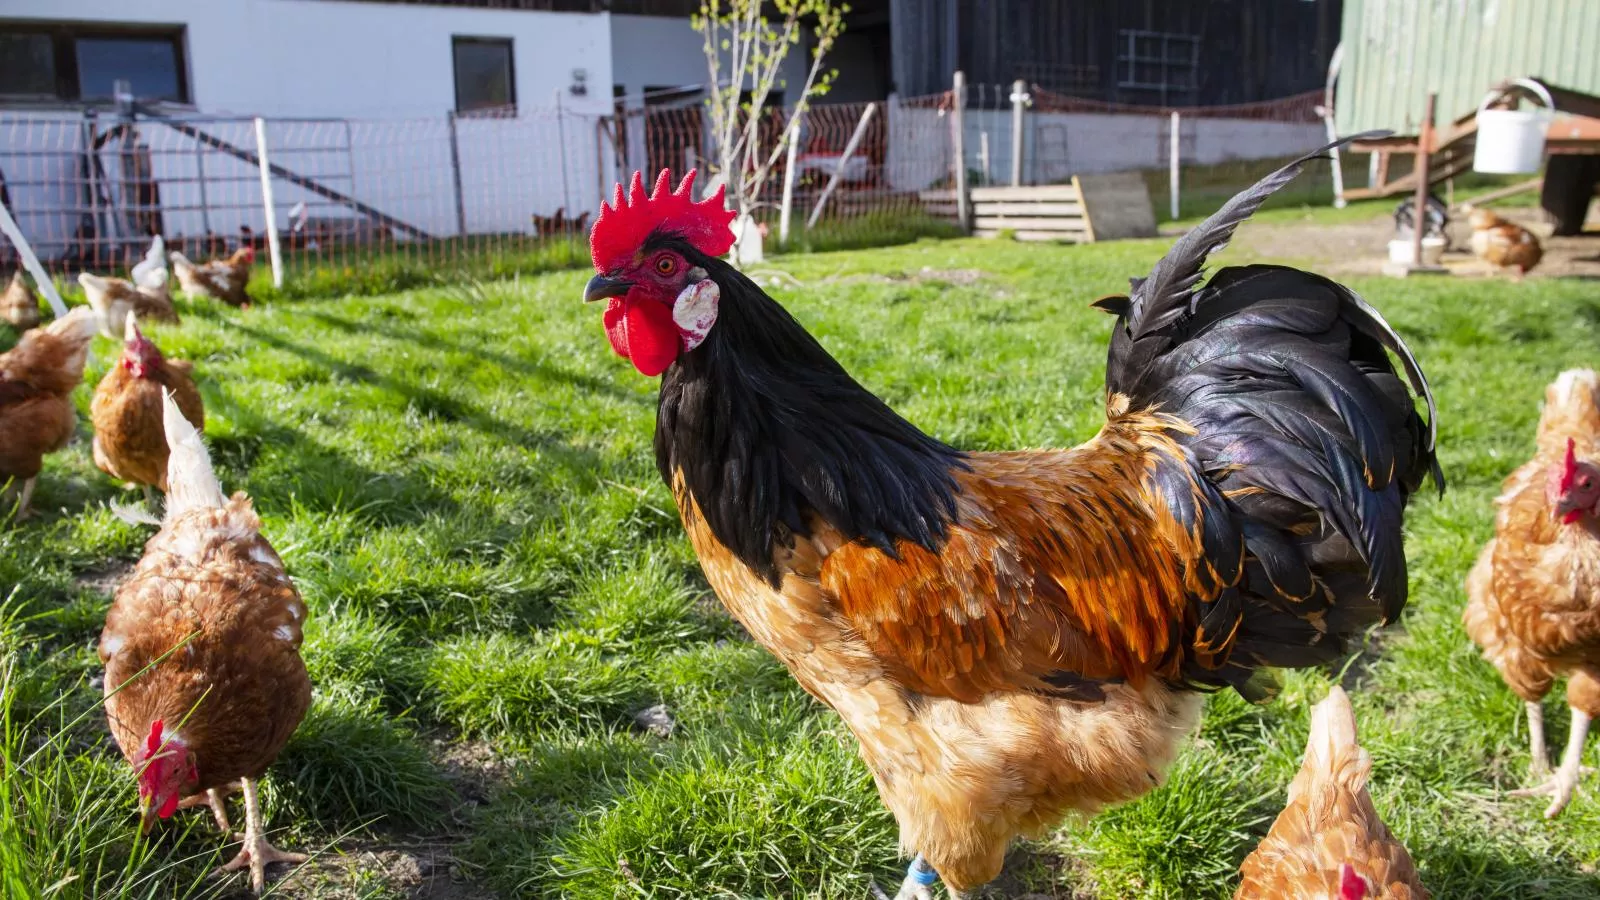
column 666, row 265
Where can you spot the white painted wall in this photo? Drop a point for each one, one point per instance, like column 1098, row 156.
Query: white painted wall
column 359, row 60
column 388, row 67
column 655, row 51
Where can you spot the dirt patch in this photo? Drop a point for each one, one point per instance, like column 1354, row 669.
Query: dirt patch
column 959, row 277
column 1361, row 248
column 104, row 578
column 420, row 871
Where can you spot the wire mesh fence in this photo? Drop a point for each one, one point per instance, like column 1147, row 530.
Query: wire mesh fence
column 497, row 193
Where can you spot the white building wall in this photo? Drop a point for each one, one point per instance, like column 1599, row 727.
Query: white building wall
column 387, row 67
column 358, row 60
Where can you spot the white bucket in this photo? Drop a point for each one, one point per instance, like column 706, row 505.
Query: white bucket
column 1511, row 141
column 1432, row 251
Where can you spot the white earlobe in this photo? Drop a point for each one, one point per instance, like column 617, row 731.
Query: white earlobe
column 695, row 311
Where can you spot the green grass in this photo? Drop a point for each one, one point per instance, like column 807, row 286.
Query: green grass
column 459, row 477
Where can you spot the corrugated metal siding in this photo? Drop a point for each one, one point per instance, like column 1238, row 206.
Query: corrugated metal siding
column 1396, row 51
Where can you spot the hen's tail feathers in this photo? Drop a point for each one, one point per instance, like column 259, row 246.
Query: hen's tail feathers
column 1333, row 730
column 1571, row 410
column 191, row 482
column 1163, row 295
column 78, row 325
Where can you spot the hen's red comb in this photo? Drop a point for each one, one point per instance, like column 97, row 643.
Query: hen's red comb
column 623, row 226
column 1569, row 472
column 153, row 743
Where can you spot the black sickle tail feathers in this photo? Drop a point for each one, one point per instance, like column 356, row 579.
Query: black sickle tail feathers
column 1303, row 427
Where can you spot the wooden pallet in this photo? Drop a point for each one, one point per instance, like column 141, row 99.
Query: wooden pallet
column 1091, row 208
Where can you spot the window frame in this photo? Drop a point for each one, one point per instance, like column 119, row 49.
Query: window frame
column 510, row 45
column 64, row 37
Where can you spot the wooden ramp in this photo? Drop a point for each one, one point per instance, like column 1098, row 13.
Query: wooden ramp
column 1091, row 208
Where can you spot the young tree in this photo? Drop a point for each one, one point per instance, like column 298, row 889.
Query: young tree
column 745, row 50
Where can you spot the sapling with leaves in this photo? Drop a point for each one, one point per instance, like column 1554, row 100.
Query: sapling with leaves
column 745, row 51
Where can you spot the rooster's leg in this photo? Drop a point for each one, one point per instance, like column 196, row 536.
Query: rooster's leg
column 1561, row 786
column 257, row 853
column 1540, row 768
column 217, row 799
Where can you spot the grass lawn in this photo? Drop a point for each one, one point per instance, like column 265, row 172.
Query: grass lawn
column 461, row 482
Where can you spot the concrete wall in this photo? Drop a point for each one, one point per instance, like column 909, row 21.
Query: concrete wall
column 1057, row 146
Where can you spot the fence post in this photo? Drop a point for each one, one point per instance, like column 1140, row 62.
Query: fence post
column 844, row 159
column 273, row 249
column 786, row 211
column 1019, row 99
column 1419, row 202
column 958, row 147
column 455, row 177
column 1175, row 143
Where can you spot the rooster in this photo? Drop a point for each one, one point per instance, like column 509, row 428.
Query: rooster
column 1016, row 636
column 18, row 306
column 1533, row 597
column 219, row 279
column 1504, row 244
column 37, row 378
column 204, row 681
column 117, row 300
column 1328, row 841
column 129, row 441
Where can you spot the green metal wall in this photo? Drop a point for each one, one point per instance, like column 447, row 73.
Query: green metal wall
column 1396, row 51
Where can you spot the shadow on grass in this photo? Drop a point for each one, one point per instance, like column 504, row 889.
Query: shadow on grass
column 432, row 341
column 441, row 406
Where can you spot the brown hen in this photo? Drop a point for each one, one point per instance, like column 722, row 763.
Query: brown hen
column 18, row 306
column 129, row 441
column 219, row 279
column 115, row 300
column 204, row 681
column 1504, row 244
column 37, row 378
column 1533, row 598
column 1329, row 841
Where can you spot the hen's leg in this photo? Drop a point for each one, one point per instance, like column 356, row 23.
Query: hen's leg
column 1539, row 769
column 217, row 799
column 257, row 853
column 150, row 496
column 27, row 498
column 1564, row 783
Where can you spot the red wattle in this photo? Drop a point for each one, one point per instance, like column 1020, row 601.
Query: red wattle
column 642, row 331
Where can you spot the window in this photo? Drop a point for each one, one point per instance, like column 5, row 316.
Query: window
column 1158, row 61
column 81, row 63
column 485, row 80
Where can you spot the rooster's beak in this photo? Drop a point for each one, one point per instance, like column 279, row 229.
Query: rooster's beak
column 600, row 287
column 147, row 817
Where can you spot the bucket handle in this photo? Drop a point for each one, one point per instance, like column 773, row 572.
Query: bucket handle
column 1527, row 84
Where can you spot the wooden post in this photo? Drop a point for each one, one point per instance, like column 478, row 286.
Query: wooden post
column 958, row 148
column 844, row 158
column 1174, row 149
column 786, row 211
column 1019, row 99
column 1419, row 208
column 273, row 248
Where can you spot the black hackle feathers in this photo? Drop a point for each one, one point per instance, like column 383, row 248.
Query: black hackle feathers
column 766, row 428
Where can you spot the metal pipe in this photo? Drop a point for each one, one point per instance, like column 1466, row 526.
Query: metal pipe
column 1419, row 208
column 273, row 249
column 838, row 171
column 1019, row 100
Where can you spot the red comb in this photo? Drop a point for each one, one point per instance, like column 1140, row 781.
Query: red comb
column 622, row 227
column 154, row 742
column 1351, row 885
column 1570, row 472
